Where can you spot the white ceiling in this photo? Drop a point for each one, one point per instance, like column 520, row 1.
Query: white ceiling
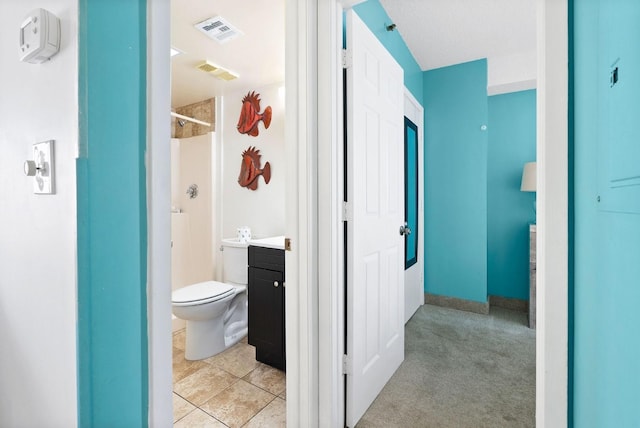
column 437, row 32
column 257, row 56
column 446, row 32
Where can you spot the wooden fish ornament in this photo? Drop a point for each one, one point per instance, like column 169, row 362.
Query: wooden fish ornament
column 250, row 169
column 250, row 116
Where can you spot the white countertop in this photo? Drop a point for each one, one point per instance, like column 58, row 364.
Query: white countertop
column 276, row 242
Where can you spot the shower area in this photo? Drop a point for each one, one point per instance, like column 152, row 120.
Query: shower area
column 194, row 203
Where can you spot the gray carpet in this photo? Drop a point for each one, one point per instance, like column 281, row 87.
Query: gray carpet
column 461, row 370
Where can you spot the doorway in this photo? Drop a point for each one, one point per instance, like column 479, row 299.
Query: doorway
column 313, row 324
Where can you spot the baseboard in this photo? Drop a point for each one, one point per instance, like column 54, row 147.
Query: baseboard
column 455, row 303
column 509, row 303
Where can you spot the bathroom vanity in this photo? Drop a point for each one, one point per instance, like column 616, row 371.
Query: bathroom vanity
column 266, row 300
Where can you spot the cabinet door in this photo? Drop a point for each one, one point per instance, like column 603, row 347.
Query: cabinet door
column 266, row 315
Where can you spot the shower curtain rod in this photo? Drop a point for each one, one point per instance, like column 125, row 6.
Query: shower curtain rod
column 190, row 119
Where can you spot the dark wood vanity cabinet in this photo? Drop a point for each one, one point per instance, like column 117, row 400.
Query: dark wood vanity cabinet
column 266, row 305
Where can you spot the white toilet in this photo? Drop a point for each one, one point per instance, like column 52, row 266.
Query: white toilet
column 215, row 312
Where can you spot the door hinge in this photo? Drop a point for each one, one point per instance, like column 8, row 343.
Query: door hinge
column 346, row 364
column 347, row 212
column 347, row 58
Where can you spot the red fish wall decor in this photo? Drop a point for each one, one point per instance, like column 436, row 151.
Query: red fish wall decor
column 250, row 115
column 250, row 169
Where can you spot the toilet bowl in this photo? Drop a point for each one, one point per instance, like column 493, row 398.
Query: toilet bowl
column 215, row 312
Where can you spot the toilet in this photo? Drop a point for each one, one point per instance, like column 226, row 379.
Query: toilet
column 215, row 312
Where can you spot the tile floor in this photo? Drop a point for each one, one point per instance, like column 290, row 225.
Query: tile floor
column 230, row 389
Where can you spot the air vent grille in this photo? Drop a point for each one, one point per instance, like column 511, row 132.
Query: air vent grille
column 219, row 29
column 208, row 67
column 225, row 75
column 216, row 71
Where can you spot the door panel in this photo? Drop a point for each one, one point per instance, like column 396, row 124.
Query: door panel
column 375, row 253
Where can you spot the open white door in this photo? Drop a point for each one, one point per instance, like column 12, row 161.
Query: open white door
column 414, row 205
column 375, row 193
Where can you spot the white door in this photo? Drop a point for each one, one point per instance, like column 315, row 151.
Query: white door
column 414, row 205
column 375, row 192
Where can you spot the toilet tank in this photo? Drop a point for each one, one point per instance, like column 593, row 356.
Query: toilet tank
column 235, row 259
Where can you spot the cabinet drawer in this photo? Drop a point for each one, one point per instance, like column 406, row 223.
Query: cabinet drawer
column 266, row 258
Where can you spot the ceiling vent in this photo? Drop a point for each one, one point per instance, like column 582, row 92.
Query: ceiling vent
column 219, row 29
column 207, row 67
column 216, row 71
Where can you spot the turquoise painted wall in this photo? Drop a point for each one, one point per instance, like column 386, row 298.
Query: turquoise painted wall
column 606, row 247
column 512, row 142
column 112, row 233
column 374, row 16
column 456, row 107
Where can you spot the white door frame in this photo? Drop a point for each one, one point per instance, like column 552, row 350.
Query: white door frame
column 314, row 267
column 552, row 215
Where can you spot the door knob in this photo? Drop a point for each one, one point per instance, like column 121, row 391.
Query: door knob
column 405, row 230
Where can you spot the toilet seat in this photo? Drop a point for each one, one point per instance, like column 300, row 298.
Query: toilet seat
column 201, row 293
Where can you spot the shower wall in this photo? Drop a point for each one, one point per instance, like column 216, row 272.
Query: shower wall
column 192, row 218
column 202, row 110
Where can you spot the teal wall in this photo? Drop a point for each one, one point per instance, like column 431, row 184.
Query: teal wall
column 606, row 247
column 112, row 233
column 374, row 16
column 498, row 261
column 456, row 107
column 512, row 142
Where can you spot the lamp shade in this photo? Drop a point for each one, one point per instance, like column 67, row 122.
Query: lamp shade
column 528, row 177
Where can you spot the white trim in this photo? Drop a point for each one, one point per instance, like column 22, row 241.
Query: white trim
column 552, row 202
column 506, row 88
column 301, row 138
column 158, row 214
column 330, row 227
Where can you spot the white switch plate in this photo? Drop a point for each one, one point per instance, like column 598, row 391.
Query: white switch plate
column 43, row 181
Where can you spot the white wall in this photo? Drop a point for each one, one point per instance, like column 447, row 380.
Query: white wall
column 37, row 232
column 263, row 209
column 511, row 73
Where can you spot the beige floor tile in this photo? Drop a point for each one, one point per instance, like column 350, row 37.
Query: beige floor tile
column 237, row 404
column 283, row 395
column 181, row 407
column 200, row 386
column 267, row 378
column 177, row 352
column 272, row 416
column 198, row 419
column 238, row 360
column 183, row 368
column 179, row 339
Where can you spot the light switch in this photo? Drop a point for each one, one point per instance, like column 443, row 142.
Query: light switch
column 41, row 168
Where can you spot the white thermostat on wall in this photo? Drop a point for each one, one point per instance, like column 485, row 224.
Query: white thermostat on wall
column 39, row 36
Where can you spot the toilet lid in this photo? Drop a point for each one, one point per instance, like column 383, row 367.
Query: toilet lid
column 209, row 290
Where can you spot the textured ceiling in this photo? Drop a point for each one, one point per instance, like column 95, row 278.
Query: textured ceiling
column 446, row 32
column 438, row 33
